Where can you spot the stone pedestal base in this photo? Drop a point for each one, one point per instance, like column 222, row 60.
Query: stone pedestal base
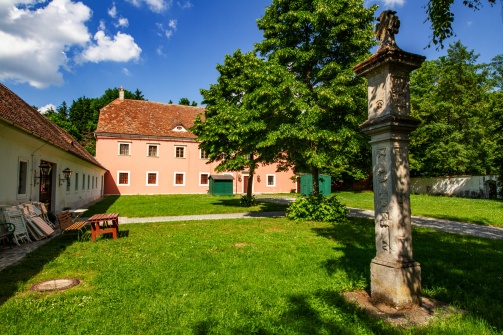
column 395, row 284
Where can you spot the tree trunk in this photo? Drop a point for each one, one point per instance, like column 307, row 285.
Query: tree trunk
column 316, row 180
column 249, row 190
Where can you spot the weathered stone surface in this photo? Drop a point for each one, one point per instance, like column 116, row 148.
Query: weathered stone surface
column 395, row 275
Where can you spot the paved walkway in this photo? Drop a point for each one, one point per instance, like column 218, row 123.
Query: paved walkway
column 11, row 256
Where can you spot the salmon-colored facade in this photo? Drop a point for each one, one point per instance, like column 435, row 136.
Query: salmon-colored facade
column 148, row 149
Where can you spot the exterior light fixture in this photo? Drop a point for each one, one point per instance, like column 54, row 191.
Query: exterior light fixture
column 45, row 170
column 67, row 173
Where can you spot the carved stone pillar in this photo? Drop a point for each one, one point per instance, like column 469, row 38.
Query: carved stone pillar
column 395, row 275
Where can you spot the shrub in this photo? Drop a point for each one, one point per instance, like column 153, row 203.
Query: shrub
column 247, row 201
column 317, row 208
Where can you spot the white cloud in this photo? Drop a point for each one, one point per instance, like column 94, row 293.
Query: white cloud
column 160, row 51
column 126, row 72
column 113, row 11
column 168, row 32
column 393, row 3
column 156, row 6
column 184, row 5
column 121, row 48
column 46, row 108
column 122, row 22
column 41, row 37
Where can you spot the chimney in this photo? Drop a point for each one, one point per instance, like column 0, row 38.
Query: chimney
column 121, row 93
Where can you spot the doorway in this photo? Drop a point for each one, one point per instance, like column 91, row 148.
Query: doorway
column 46, row 185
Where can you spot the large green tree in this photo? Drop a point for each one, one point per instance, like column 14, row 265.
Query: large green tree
column 244, row 111
column 319, row 41
column 451, row 97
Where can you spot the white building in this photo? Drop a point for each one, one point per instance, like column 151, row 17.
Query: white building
column 29, row 141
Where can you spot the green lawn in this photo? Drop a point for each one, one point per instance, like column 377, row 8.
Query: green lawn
column 242, row 276
column 479, row 211
column 176, row 205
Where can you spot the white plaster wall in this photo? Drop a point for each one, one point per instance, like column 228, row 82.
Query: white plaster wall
column 461, row 186
column 16, row 144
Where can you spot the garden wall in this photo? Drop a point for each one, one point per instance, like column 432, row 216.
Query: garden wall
column 460, row 186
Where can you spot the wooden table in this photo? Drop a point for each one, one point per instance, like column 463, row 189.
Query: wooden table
column 104, row 224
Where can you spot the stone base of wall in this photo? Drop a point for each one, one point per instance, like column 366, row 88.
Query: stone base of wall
column 482, row 187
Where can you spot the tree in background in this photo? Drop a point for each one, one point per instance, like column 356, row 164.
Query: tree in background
column 440, row 16
column 81, row 119
column 319, row 42
column 496, row 114
column 451, row 96
column 186, row 102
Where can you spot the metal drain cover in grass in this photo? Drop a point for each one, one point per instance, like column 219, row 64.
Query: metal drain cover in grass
column 55, row 284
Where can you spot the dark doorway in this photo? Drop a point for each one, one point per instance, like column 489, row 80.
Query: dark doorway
column 245, row 183
column 45, row 191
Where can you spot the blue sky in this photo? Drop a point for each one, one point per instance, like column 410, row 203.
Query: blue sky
column 59, row 50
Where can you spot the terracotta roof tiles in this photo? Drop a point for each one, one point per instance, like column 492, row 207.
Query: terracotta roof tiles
column 16, row 111
column 147, row 118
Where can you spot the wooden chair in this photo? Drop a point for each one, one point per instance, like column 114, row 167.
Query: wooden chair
column 66, row 224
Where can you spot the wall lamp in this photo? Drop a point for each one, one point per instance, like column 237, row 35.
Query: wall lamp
column 45, row 170
column 258, row 178
column 67, row 173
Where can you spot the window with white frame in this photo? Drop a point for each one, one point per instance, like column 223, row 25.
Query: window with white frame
column 123, row 178
column 271, row 180
column 180, row 151
column 83, row 182
column 179, row 179
column 151, row 178
column 124, row 149
column 22, row 177
column 204, row 179
column 204, row 154
column 153, row 150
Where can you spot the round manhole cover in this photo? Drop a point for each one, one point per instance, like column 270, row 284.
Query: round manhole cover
column 55, row 284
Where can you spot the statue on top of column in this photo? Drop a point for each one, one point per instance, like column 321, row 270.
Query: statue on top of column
column 386, row 29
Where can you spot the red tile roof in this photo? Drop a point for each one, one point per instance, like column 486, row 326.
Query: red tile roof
column 16, row 111
column 147, row 118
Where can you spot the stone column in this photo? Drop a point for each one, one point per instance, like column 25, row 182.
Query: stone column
column 395, row 275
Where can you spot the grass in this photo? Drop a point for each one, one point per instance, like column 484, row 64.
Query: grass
column 478, row 211
column 176, row 205
column 241, row 276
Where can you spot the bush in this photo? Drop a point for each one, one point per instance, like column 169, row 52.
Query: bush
column 317, row 208
column 247, row 201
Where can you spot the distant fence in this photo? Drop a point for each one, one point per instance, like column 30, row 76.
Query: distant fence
column 461, row 186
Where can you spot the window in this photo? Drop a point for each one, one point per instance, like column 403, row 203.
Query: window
column 180, row 152
column 83, row 182
column 152, row 150
column 151, row 178
column 271, row 180
column 67, row 183
column 88, row 181
column 22, row 177
column 124, row 149
column 179, row 178
column 76, row 181
column 123, row 178
column 204, row 179
column 204, row 154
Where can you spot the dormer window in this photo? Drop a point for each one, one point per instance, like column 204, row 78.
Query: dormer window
column 179, row 128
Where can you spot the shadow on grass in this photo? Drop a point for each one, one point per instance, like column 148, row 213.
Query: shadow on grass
column 262, row 206
column 101, row 206
column 32, row 264
column 461, row 271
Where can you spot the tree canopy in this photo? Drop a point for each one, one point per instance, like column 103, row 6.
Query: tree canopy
column 299, row 104
column 455, row 101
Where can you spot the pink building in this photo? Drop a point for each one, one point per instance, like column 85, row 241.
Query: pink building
column 148, row 148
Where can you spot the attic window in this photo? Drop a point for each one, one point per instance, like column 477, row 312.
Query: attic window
column 179, row 128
